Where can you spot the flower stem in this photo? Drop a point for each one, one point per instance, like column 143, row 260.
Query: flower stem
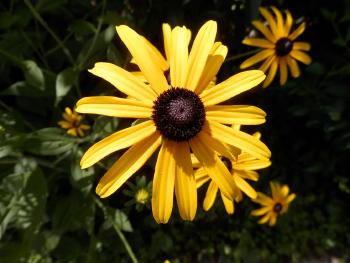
column 232, row 58
column 118, row 231
column 46, row 26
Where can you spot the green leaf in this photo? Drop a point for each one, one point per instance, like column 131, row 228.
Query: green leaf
column 33, row 74
column 119, row 218
column 64, row 82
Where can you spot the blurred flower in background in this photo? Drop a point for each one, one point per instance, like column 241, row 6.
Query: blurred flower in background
column 273, row 206
column 140, row 193
column 72, row 122
column 280, row 50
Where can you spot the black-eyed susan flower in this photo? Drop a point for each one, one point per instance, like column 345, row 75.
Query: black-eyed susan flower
column 280, row 48
column 242, row 166
column 273, row 206
column 179, row 117
column 72, row 122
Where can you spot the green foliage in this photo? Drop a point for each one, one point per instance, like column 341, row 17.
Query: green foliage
column 48, row 209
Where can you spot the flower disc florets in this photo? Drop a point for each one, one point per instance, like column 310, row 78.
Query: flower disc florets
column 277, row 207
column 283, row 46
column 178, row 114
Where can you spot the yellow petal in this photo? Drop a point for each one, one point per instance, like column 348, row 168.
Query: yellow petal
column 270, row 20
column 139, row 51
column 289, row 22
column 163, row 183
column 214, row 166
column 195, row 161
column 210, row 196
column 65, row 124
column 301, row 46
column 264, row 30
column 258, row 42
column 279, row 22
column 264, row 200
column 252, row 165
column 272, row 73
column 283, row 71
column 239, row 139
column 290, row 198
column 284, row 190
column 167, row 39
column 237, row 114
column 265, row 218
column 297, row 32
column 293, row 67
column 229, row 204
column 72, row 132
column 301, row 56
column 201, row 47
column 156, row 56
column 117, row 141
column 115, row 107
column 261, row 211
column 214, row 62
column 185, row 183
column 257, row 58
column 246, row 174
column 178, row 57
column 264, row 66
column 273, row 219
column 275, row 187
column 232, row 86
column 201, row 176
column 124, row 81
column 130, row 162
column 244, row 186
column 140, row 76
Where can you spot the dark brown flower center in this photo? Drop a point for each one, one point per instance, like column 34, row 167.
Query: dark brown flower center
column 227, row 162
column 178, row 114
column 277, row 207
column 283, row 46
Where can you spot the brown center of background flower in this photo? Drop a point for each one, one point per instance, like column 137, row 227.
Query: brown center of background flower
column 283, row 46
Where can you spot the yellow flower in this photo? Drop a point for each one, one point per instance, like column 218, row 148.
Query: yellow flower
column 242, row 167
column 142, row 196
column 72, row 123
column 177, row 117
column 273, row 207
column 280, row 50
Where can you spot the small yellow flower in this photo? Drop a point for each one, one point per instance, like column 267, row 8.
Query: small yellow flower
column 280, row 50
column 242, row 167
column 273, row 206
column 72, row 123
column 142, row 196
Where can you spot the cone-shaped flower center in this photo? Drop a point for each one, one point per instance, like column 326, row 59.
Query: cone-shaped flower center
column 277, row 207
column 227, row 162
column 178, row 114
column 283, row 46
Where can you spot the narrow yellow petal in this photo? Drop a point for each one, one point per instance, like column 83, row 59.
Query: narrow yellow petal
column 244, row 186
column 258, row 42
column 229, row 204
column 200, row 50
column 167, row 39
column 293, row 67
column 195, row 161
column 140, row 52
column 235, row 114
column 273, row 220
column 264, row 30
column 264, row 200
column 201, row 176
column 261, row 211
column 275, row 190
column 260, row 56
column 210, row 196
column 214, row 62
column 178, row 57
column 163, row 183
column 117, row 141
column 272, row 73
column 65, row 124
column 232, row 86
column 279, row 22
column 264, row 66
column 252, row 165
column 129, row 163
column 301, row 56
column 140, row 76
column 301, row 46
column 185, row 182
column 124, row 81
column 265, row 218
column 115, row 107
column 239, row 139
column 284, row 190
column 246, row 174
column 297, row 32
column 270, row 20
column 283, row 71
column 290, row 198
column 156, row 56
column 214, row 166
column 289, row 22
